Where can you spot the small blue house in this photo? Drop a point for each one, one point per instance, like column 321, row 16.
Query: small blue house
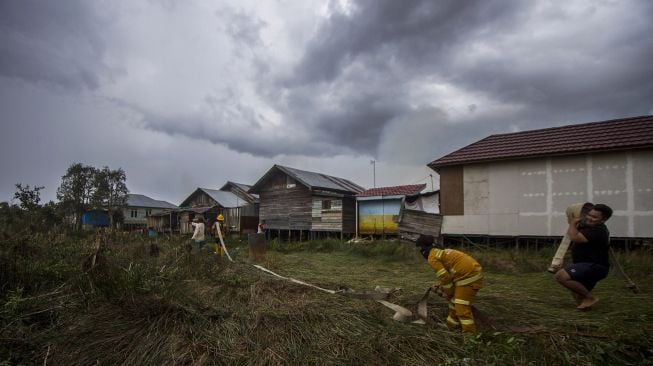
column 95, row 218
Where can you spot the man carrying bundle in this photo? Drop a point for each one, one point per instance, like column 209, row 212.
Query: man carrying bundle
column 590, row 255
column 460, row 279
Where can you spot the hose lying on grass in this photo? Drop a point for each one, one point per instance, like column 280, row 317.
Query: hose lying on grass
column 402, row 314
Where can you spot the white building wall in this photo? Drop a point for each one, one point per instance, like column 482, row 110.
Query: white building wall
column 141, row 215
column 529, row 197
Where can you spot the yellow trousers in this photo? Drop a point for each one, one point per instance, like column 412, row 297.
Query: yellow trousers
column 219, row 250
column 460, row 307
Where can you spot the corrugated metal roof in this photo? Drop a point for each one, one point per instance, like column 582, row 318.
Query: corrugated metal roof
column 244, row 187
column 618, row 134
column 393, row 190
column 224, row 198
column 312, row 180
column 322, row 181
column 139, row 200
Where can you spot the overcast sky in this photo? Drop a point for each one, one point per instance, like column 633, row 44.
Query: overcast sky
column 193, row 93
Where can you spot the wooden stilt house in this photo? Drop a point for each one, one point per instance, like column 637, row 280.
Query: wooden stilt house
column 516, row 186
column 243, row 218
column 208, row 203
column 297, row 204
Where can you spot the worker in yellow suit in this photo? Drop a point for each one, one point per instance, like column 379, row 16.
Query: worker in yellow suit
column 460, row 279
column 218, row 226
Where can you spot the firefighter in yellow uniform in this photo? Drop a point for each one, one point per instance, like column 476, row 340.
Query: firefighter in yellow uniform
column 460, row 279
column 219, row 226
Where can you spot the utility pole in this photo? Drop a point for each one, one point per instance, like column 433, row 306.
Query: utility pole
column 373, row 162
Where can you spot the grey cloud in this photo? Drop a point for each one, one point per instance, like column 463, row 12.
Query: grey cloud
column 415, row 34
column 242, row 27
column 353, row 81
column 243, row 137
column 426, row 133
column 370, row 57
column 381, row 47
column 561, row 83
column 359, row 122
column 56, row 42
column 401, row 82
column 589, row 74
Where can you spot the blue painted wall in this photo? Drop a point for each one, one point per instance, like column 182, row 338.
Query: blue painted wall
column 95, row 218
column 377, row 216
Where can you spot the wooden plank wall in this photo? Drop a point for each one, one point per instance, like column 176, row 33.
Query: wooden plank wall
column 232, row 219
column 286, row 208
column 201, row 199
column 451, row 191
column 241, row 220
column 250, row 210
column 349, row 215
column 162, row 223
column 326, row 219
column 287, row 205
column 248, row 225
column 184, row 223
column 419, row 222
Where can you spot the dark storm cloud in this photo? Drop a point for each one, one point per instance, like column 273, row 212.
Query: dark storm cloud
column 537, row 59
column 598, row 74
column 56, row 42
column 358, row 122
column 415, row 34
column 373, row 55
column 403, row 82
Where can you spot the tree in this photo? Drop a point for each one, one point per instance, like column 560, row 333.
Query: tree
column 50, row 216
column 110, row 191
column 12, row 219
column 76, row 190
column 29, row 198
column 28, row 214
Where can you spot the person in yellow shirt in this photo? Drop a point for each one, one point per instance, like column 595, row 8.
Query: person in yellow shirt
column 460, row 279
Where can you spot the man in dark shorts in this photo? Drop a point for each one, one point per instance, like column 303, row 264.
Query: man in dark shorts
column 590, row 255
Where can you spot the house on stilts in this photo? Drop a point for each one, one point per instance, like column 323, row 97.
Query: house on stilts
column 515, row 187
column 301, row 205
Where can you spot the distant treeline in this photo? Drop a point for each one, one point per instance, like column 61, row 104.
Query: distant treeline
column 82, row 188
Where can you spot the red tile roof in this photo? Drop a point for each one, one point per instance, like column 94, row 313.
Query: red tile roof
column 618, row 134
column 393, row 191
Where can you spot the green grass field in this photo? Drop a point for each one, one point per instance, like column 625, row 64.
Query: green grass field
column 135, row 309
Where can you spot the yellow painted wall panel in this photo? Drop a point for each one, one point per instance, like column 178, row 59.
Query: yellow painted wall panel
column 377, row 224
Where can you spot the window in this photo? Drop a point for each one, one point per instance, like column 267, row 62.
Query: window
column 134, row 213
column 326, row 204
column 148, row 212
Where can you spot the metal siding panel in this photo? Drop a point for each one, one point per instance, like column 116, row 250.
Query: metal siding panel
column 529, row 197
column 378, row 217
